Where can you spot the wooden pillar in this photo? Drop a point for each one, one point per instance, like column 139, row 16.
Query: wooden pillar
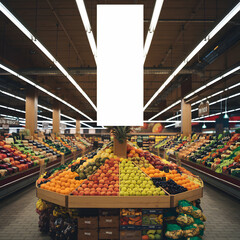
column 186, row 118
column 78, row 128
column 56, row 118
column 31, row 109
column 120, row 149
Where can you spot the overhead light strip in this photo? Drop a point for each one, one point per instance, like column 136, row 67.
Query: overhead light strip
column 83, row 13
column 163, row 111
column 215, row 94
column 43, row 90
column 41, row 106
column 213, row 81
column 27, row 33
column 215, row 30
column 152, row 27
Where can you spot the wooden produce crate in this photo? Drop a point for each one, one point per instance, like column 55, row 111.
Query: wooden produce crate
column 52, row 197
column 119, row 201
column 189, row 195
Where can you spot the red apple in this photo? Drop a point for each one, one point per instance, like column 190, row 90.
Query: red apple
column 103, row 193
column 84, row 185
column 97, row 174
column 110, row 171
column 102, row 175
column 75, row 192
column 100, row 185
column 86, row 192
column 116, row 189
column 90, row 185
column 109, row 193
column 98, row 189
column 101, row 181
column 92, row 193
column 81, row 193
column 95, row 186
column 105, row 170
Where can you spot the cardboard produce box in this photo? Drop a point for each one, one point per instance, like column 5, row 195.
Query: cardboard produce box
column 109, row 233
column 88, row 222
column 130, row 235
column 108, row 221
column 88, row 234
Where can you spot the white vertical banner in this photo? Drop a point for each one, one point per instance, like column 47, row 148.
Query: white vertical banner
column 120, row 65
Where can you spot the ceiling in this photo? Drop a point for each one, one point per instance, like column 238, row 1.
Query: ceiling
column 58, row 26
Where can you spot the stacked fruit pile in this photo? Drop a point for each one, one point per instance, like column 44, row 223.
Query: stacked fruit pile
column 134, row 182
column 63, row 183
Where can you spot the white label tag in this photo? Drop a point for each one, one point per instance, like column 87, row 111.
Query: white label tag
column 120, row 65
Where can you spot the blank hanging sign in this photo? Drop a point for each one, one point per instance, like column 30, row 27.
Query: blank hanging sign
column 120, row 65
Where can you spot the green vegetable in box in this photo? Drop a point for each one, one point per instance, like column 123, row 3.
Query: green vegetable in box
column 173, row 231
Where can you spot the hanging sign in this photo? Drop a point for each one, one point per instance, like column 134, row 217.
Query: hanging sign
column 63, row 126
column 5, row 126
column 203, row 109
column 4, row 121
column 45, row 125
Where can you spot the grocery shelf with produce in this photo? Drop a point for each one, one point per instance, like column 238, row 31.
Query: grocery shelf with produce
column 133, row 185
column 22, row 161
column 215, row 159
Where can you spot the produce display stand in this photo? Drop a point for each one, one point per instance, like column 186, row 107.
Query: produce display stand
column 224, row 182
column 72, row 201
column 15, row 182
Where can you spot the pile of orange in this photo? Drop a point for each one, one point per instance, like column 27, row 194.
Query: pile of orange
column 64, row 183
column 181, row 180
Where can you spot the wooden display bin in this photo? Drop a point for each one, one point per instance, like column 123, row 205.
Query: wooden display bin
column 52, row 197
column 119, row 201
column 189, row 195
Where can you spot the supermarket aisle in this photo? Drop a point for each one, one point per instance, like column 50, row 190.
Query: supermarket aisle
column 18, row 219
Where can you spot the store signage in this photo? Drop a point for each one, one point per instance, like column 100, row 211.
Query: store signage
column 5, row 126
column 120, row 65
column 203, row 109
column 4, row 121
column 63, row 126
column 45, row 125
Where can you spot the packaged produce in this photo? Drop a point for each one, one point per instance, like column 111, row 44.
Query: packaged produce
column 184, row 219
column 173, row 231
column 190, row 231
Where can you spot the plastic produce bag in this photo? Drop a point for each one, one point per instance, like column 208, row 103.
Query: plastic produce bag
column 190, row 231
column 173, row 231
column 184, row 219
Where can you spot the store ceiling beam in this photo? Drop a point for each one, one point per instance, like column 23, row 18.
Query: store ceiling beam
column 93, row 71
column 65, row 31
column 183, row 20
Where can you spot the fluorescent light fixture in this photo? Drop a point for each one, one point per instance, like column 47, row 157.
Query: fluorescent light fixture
column 152, row 27
column 204, row 126
column 171, row 125
column 214, row 81
column 86, row 124
column 21, row 27
column 171, row 106
column 13, row 109
column 44, row 90
column 83, row 13
column 219, row 26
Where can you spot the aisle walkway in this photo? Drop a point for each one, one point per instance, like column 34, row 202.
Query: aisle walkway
column 18, row 219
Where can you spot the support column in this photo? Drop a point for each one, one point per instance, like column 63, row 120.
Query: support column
column 78, row 127
column 56, row 118
column 186, row 118
column 31, row 109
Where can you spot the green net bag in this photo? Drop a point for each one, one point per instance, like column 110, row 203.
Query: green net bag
column 194, row 238
column 173, row 231
column 190, row 231
column 184, row 206
column 196, row 212
column 198, row 223
column 184, row 219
